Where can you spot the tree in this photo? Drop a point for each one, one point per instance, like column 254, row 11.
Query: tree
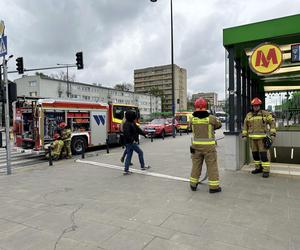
column 124, row 86
column 155, row 91
column 190, row 103
column 63, row 76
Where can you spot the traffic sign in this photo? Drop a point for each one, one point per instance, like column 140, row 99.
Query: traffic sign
column 295, row 53
column 3, row 46
column 2, row 27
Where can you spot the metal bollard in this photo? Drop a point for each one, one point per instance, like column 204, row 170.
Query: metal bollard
column 83, row 153
column 151, row 136
column 180, row 132
column 50, row 156
column 107, row 147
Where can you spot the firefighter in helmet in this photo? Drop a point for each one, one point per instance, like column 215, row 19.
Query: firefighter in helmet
column 204, row 146
column 257, row 125
column 56, row 147
column 66, row 136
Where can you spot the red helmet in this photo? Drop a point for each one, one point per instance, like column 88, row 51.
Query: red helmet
column 200, row 104
column 56, row 136
column 256, row 101
column 62, row 125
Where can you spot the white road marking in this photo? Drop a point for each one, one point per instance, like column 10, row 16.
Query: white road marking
column 143, row 172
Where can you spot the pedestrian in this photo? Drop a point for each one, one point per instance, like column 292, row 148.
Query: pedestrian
column 56, row 148
column 122, row 141
column 66, row 135
column 131, row 133
column 258, row 124
column 204, row 146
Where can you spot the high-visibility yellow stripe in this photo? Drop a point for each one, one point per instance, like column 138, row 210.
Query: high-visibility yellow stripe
column 256, row 162
column 196, row 120
column 255, row 118
column 213, row 183
column 204, row 142
column 273, row 130
column 256, row 136
column 265, row 164
column 194, row 180
column 244, row 132
column 209, row 131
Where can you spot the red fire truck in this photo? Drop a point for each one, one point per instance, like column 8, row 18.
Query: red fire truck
column 36, row 121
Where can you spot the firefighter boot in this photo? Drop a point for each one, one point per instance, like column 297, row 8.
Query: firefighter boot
column 257, row 170
column 193, row 188
column 217, row 190
column 265, row 174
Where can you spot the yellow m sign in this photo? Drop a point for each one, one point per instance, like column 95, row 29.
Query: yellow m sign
column 266, row 58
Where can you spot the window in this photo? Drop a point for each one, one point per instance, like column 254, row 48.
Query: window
column 118, row 111
column 33, row 93
column 32, row 83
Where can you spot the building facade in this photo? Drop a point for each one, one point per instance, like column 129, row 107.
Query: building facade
column 45, row 87
column 159, row 78
column 210, row 97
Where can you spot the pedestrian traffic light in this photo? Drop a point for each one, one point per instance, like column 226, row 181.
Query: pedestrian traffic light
column 79, row 60
column 20, row 67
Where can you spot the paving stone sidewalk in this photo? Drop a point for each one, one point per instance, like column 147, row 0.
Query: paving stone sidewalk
column 82, row 206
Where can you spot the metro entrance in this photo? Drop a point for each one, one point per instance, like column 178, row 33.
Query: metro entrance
column 263, row 60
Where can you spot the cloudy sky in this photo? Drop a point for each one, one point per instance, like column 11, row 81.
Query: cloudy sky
column 118, row 36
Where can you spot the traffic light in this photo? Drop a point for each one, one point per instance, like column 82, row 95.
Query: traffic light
column 2, row 95
column 12, row 91
column 20, row 67
column 79, row 60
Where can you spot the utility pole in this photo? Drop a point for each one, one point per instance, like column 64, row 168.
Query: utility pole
column 7, row 120
column 4, row 65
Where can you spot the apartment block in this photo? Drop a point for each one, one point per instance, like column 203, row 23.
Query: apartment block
column 46, row 87
column 160, row 78
column 210, row 97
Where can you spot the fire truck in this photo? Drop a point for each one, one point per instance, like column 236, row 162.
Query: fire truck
column 35, row 122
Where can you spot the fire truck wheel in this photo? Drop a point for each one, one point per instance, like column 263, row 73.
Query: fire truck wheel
column 78, row 145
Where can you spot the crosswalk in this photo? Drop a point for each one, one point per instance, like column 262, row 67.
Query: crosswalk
column 19, row 158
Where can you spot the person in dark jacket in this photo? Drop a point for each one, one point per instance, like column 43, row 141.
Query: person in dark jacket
column 131, row 136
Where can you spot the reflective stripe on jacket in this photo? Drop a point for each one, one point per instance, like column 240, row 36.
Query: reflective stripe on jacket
column 257, row 125
column 204, row 130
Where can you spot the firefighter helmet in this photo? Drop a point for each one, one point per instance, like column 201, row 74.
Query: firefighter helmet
column 256, row 101
column 200, row 104
column 62, row 125
column 56, row 136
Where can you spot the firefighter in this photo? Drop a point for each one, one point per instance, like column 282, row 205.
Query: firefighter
column 257, row 124
column 204, row 146
column 56, row 147
column 66, row 136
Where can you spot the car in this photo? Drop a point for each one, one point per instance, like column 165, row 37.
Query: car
column 175, row 123
column 222, row 116
column 158, row 127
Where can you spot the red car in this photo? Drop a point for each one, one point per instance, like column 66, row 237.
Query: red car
column 158, row 127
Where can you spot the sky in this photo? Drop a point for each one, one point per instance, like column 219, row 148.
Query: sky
column 118, row 36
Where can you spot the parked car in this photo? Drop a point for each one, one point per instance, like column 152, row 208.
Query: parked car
column 222, row 116
column 175, row 123
column 158, row 127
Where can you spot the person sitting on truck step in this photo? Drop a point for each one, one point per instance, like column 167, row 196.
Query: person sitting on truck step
column 56, row 147
column 66, row 136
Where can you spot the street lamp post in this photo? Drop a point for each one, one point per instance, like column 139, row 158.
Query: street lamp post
column 68, row 84
column 172, row 69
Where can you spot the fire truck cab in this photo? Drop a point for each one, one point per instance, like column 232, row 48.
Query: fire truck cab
column 92, row 124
